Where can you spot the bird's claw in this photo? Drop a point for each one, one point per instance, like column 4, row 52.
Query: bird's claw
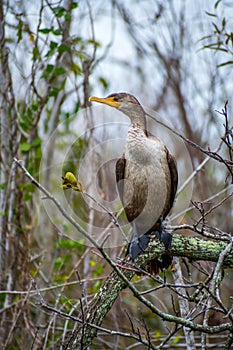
column 164, row 237
column 138, row 245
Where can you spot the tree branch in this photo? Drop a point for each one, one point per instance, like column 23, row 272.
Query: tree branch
column 103, row 301
column 190, row 247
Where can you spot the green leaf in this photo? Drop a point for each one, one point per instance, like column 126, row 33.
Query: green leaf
column 58, row 278
column 38, row 153
column 103, row 82
column 67, row 16
column 92, row 263
column 216, row 28
column 223, row 22
column 210, row 14
column 29, row 112
column 98, row 270
column 76, row 107
column 205, row 37
column 3, row 186
column 25, row 147
column 57, row 31
column 45, row 30
column 35, row 53
column 28, row 187
column 63, row 84
column 63, row 48
column 70, row 244
column 176, row 339
column 76, row 69
column 94, row 42
column 48, row 71
column 53, row 45
column 227, row 39
column 77, row 39
column 59, row 11
column 36, row 142
column 59, row 71
column 2, row 297
column 81, row 55
column 58, row 263
column 54, row 93
column 49, row 68
column 20, row 31
column 27, row 197
column 35, row 105
column 96, row 286
column 217, row 3
column 74, row 5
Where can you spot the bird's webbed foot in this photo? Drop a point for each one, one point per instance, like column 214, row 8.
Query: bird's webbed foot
column 164, row 236
column 138, row 245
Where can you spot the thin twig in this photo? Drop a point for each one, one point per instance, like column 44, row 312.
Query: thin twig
column 214, row 155
column 165, row 316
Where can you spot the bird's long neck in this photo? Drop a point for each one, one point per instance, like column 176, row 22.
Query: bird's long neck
column 136, row 134
column 138, row 119
column 136, row 139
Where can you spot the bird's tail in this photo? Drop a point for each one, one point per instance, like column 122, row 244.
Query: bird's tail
column 155, row 266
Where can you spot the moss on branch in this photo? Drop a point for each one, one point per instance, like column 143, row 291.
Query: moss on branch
column 195, row 249
column 190, row 247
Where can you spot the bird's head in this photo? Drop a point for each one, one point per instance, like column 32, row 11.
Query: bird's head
column 124, row 102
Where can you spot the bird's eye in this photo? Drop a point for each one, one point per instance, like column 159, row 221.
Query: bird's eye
column 116, row 98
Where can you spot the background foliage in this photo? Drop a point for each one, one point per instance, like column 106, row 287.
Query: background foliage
column 176, row 57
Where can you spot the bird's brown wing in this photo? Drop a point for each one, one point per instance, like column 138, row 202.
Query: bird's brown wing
column 120, row 175
column 165, row 261
column 174, row 180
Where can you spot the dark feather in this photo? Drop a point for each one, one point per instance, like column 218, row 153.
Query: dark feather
column 174, row 180
column 120, row 175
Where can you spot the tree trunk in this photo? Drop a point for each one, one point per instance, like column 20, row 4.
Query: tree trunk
column 9, row 227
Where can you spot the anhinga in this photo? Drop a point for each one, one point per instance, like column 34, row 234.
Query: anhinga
column 147, row 178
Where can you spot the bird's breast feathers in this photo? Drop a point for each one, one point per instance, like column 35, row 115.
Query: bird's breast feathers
column 148, row 181
column 144, row 150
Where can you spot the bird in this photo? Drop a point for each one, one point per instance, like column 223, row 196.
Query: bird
column 147, row 177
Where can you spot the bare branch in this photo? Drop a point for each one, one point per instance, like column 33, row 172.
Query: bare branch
column 192, row 248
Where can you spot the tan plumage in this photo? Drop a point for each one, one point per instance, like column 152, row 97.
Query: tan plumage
column 150, row 170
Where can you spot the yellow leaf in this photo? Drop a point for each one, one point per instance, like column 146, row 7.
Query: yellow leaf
column 70, row 181
column 31, row 37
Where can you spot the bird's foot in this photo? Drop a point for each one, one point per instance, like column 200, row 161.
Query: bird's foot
column 138, row 245
column 163, row 236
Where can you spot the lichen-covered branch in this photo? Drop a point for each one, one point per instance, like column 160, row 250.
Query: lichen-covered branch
column 190, row 247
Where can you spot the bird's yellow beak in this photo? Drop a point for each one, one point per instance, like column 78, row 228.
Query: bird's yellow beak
column 107, row 101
